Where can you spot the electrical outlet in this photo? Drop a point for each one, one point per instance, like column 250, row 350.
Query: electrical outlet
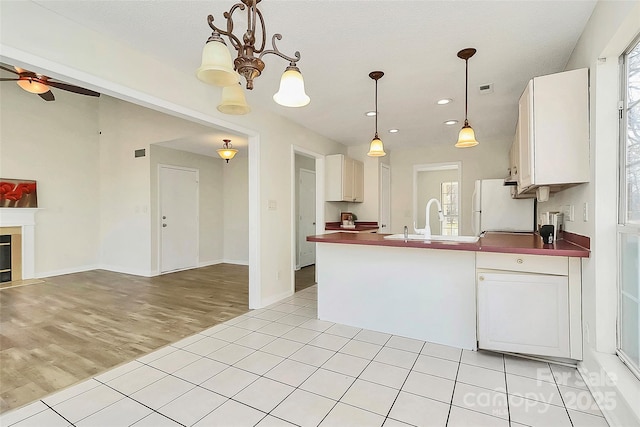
column 568, row 213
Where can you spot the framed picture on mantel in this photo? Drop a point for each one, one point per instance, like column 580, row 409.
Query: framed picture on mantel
column 18, row 193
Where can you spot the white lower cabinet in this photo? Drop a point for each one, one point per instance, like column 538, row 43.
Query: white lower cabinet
column 529, row 304
column 523, row 313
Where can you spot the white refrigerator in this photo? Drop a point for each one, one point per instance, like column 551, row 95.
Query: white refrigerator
column 495, row 210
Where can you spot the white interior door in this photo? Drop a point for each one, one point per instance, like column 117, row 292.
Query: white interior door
column 178, row 218
column 385, row 198
column 306, row 217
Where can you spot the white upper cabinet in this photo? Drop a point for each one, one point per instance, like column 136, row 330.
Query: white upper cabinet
column 345, row 179
column 553, row 131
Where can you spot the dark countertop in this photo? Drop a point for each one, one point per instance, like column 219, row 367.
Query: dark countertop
column 520, row 243
column 359, row 226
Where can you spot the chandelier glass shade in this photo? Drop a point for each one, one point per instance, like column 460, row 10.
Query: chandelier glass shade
column 376, row 148
column 291, row 92
column 227, row 152
column 466, row 137
column 233, row 100
column 217, row 68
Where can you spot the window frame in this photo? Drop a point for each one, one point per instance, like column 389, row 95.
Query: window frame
column 623, row 226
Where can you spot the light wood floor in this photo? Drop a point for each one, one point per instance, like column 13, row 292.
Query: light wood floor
column 69, row 328
column 305, row 277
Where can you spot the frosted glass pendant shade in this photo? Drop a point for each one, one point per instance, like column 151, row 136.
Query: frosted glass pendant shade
column 376, row 149
column 467, row 137
column 233, row 100
column 291, row 92
column 216, row 68
column 32, row 86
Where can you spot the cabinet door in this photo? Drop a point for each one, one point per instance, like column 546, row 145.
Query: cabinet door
column 334, row 165
column 358, row 181
column 523, row 313
column 525, row 138
column 347, row 180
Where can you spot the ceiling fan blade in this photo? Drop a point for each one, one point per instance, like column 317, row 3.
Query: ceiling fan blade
column 47, row 96
column 9, row 70
column 72, row 88
column 8, row 80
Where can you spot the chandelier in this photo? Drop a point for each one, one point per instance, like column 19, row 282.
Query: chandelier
column 217, row 69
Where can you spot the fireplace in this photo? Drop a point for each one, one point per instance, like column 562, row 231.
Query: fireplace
column 5, row 258
column 19, row 224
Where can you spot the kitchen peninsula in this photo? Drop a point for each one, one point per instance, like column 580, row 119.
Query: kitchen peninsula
column 427, row 290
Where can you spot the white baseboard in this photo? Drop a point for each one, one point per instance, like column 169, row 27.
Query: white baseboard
column 236, row 261
column 210, row 262
column 275, row 298
column 134, row 272
column 614, row 386
column 80, row 269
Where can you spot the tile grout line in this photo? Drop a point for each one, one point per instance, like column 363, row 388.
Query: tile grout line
column 560, row 393
column 506, row 389
column 455, row 381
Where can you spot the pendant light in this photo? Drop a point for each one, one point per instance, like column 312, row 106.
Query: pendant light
column 227, row 152
column 466, row 137
column 376, row 148
column 291, row 92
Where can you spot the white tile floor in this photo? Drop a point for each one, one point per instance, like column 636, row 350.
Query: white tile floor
column 280, row 366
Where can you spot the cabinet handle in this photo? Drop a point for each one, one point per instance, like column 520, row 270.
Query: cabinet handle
column 481, row 278
column 519, row 261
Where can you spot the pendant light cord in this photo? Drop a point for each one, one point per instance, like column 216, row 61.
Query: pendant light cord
column 466, row 89
column 376, row 108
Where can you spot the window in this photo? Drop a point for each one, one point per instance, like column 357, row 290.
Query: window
column 629, row 213
column 449, row 197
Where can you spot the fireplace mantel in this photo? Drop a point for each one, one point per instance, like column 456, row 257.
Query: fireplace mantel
column 25, row 218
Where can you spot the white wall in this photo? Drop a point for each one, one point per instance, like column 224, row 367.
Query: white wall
column 128, row 224
column 83, row 56
column 55, row 143
column 211, row 202
column 236, row 210
column 611, row 29
column 487, row 160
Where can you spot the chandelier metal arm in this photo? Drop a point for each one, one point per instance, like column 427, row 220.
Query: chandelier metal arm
column 235, row 41
column 262, row 27
column 276, row 51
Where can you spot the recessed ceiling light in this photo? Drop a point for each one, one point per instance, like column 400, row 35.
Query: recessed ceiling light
column 394, row 130
column 370, row 113
column 444, row 101
column 450, row 122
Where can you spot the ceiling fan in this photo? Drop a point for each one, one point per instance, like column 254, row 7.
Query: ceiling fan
column 40, row 84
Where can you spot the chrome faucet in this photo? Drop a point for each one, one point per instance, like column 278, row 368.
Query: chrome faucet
column 427, row 228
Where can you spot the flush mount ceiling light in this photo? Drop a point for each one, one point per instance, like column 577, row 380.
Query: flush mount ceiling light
column 370, row 113
column 466, row 137
column 394, row 130
column 450, row 122
column 444, row 101
column 216, row 68
column 227, row 152
column 376, row 149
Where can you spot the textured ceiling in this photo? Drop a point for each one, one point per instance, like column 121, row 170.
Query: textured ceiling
column 413, row 42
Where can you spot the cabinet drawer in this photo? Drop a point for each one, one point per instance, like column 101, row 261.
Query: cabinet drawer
column 557, row 265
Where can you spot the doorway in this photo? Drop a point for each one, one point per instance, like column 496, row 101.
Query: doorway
column 307, row 214
column 306, row 217
column 178, row 188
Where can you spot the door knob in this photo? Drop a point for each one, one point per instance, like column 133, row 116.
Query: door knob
column 164, row 217
column 164, row 225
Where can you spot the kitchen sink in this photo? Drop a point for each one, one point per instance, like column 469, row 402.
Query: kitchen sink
column 435, row 238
